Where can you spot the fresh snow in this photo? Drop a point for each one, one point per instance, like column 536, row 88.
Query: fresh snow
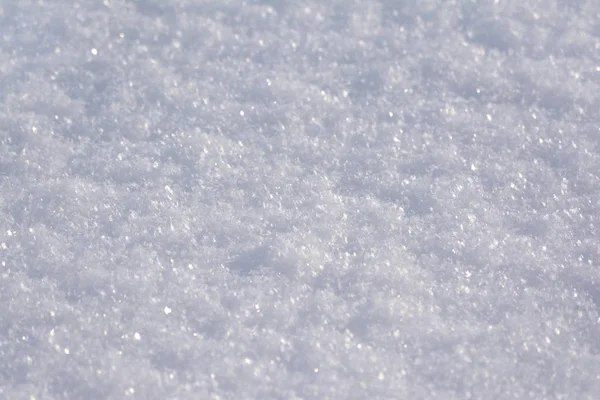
column 274, row 199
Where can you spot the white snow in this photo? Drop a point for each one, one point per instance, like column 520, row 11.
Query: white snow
column 299, row 199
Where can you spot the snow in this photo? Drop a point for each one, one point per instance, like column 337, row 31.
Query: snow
column 299, row 200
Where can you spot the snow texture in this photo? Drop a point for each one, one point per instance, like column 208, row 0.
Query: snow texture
column 275, row 199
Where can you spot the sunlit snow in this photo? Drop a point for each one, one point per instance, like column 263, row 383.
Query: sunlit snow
column 274, row 199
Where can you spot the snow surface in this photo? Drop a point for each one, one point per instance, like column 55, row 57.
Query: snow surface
column 276, row 199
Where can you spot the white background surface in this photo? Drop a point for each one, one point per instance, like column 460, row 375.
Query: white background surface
column 299, row 199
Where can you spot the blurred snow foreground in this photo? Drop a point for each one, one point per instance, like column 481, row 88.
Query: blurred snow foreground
column 306, row 199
